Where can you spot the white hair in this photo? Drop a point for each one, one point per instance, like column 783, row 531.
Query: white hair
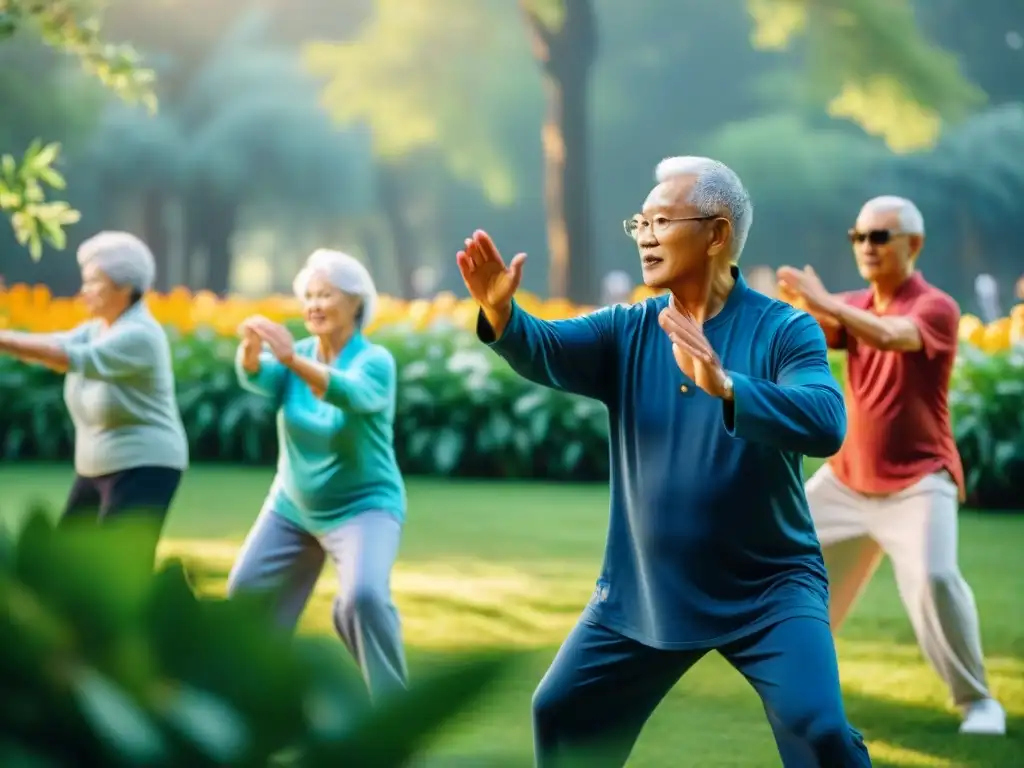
column 717, row 191
column 122, row 257
column 344, row 272
column 910, row 218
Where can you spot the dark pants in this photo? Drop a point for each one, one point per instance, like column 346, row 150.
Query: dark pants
column 602, row 688
column 141, row 493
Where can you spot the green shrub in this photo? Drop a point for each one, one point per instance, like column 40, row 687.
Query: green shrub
column 104, row 663
column 461, row 411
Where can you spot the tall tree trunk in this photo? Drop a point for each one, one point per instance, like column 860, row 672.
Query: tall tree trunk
column 566, row 52
column 211, row 223
column 156, row 235
column 394, row 202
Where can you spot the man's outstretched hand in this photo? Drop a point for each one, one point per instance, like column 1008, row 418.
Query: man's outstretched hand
column 491, row 284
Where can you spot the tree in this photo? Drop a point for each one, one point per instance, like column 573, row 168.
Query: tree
column 871, row 64
column 564, row 34
column 70, row 27
column 244, row 132
column 865, row 59
column 807, row 182
column 414, row 75
column 971, row 188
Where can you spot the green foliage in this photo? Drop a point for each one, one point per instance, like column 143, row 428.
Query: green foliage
column 463, row 412
column 871, row 61
column 105, row 663
column 987, row 406
column 72, row 27
column 23, row 197
column 416, row 77
column 246, row 128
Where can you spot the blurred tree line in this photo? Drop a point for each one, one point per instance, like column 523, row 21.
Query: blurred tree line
column 393, row 129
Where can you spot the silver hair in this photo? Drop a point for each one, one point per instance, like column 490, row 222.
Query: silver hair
column 717, row 191
column 344, row 272
column 122, row 257
column 910, row 218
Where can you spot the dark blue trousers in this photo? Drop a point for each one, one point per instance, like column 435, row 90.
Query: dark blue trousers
column 602, row 687
column 143, row 494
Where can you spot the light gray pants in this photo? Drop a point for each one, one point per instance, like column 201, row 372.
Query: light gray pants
column 280, row 555
column 917, row 529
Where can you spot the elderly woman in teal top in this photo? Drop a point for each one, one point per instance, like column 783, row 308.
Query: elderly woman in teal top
column 338, row 492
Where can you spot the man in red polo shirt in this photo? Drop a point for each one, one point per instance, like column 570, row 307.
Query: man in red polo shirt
column 895, row 485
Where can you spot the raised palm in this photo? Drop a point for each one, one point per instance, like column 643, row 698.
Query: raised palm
column 490, row 282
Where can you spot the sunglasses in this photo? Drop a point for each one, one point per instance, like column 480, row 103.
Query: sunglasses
column 875, row 236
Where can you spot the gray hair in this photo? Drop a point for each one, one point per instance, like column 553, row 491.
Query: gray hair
column 122, row 257
column 717, row 191
column 344, row 272
column 910, row 218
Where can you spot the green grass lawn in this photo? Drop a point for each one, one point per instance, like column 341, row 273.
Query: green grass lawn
column 505, row 564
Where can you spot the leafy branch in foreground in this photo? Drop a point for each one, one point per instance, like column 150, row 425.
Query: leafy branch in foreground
column 23, row 197
column 71, row 27
column 104, row 663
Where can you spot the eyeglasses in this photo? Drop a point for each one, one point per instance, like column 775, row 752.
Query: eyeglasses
column 633, row 226
column 874, row 236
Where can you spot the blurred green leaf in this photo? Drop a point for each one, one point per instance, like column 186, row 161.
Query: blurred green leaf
column 117, row 720
column 216, row 683
column 428, row 705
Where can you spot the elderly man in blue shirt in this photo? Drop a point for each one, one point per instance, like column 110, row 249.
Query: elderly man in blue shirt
column 715, row 393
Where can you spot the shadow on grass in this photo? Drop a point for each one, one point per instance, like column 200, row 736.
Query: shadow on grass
column 713, row 717
column 906, row 733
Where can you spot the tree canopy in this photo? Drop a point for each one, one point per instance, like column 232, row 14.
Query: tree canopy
column 72, row 28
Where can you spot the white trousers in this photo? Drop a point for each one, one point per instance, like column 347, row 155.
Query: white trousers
column 917, row 529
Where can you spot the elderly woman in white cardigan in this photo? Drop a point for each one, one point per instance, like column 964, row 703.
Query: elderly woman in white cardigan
column 130, row 445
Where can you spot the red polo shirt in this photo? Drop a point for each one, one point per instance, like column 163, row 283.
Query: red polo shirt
column 897, row 403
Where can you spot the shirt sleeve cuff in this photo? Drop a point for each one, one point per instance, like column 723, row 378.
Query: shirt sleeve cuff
column 337, row 389
column 76, row 355
column 732, row 411
column 485, row 332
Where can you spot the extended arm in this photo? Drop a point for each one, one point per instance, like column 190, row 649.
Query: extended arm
column 835, row 333
column 802, row 410
column 574, row 355
column 42, row 348
column 892, row 332
column 261, row 373
column 931, row 326
column 116, row 354
column 366, row 386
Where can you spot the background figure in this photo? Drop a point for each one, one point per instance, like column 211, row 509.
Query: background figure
column 986, row 292
column 616, row 287
column 895, row 484
column 763, row 280
column 338, row 489
column 130, row 445
column 714, row 394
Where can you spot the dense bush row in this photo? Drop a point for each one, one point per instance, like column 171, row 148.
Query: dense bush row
column 461, row 411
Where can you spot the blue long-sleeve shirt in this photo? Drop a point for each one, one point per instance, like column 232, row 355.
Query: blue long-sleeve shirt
column 710, row 536
column 336, row 454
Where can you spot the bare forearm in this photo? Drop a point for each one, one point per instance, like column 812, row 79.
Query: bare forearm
column 32, row 348
column 250, row 359
column 888, row 333
column 831, row 327
column 313, row 373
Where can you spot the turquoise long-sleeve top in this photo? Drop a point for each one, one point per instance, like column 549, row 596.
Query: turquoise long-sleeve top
column 336, row 454
column 709, row 535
